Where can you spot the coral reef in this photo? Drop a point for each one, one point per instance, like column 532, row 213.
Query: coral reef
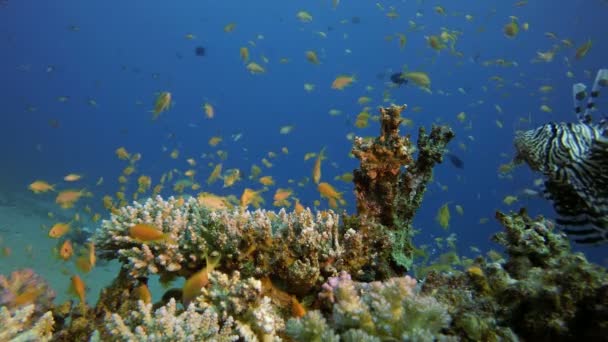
column 23, row 324
column 390, row 183
column 25, row 287
column 542, row 291
column 389, row 310
column 165, row 324
column 270, row 276
column 301, row 249
column 244, row 302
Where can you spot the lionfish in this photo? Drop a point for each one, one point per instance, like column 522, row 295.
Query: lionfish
column 574, row 160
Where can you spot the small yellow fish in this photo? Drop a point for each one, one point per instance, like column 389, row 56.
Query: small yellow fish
column 163, row 102
column 209, row 110
column 255, row 68
column 316, row 170
column 229, row 27
column 582, row 50
column 286, row 129
column 214, row 141
column 72, row 177
column 419, row 78
column 311, row 56
column 244, row 52
column 304, row 16
column 443, row 216
column 511, row 29
column 122, row 153
column 508, row 200
column 232, row 176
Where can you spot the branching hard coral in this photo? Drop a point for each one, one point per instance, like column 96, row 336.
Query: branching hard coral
column 166, row 324
column 243, row 300
column 301, row 249
column 23, row 325
column 390, row 183
column 378, row 310
column 25, row 287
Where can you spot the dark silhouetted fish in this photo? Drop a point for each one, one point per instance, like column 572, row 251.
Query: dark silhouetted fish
column 398, row 79
column 199, row 51
column 457, row 162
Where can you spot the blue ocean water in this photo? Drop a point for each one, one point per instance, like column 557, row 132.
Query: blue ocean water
column 110, row 59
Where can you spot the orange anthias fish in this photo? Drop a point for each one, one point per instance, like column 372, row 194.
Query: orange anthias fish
column 146, row 232
column 72, row 177
column 163, row 102
column 66, row 250
column 40, row 186
column 328, row 191
column 67, row 198
column 342, row 81
column 194, row 284
column 252, row 197
column 59, row 229
column 78, row 288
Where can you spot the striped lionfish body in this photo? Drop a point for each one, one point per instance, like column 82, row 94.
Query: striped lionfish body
column 574, row 160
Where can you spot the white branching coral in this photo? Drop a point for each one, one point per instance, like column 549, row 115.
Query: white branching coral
column 244, row 301
column 165, row 324
column 21, row 325
column 190, row 231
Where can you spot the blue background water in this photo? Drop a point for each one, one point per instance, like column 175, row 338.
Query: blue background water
column 125, row 52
